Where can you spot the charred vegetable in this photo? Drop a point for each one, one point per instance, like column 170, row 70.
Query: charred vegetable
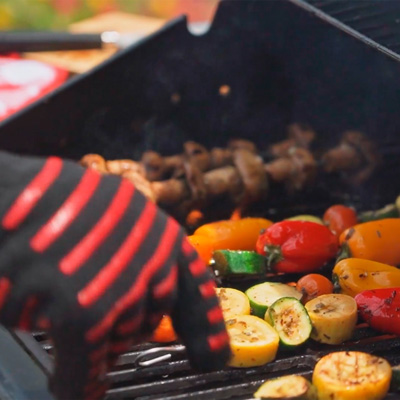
column 297, row 246
column 375, row 240
column 233, row 302
column 350, row 375
column 389, row 211
column 312, row 286
column 333, row 316
column 380, row 308
column 289, row 387
column 354, row 275
column 253, row 341
column 231, row 262
column 263, row 295
column 290, row 319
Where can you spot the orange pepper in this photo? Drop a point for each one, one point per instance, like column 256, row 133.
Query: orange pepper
column 164, row 332
column 233, row 235
column 375, row 240
column 203, row 246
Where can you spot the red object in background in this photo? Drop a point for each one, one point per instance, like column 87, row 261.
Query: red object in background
column 24, row 81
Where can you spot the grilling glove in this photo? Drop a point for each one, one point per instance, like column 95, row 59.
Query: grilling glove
column 89, row 259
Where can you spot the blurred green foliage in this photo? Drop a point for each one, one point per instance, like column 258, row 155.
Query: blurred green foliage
column 58, row 14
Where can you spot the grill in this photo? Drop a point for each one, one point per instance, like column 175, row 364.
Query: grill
column 332, row 64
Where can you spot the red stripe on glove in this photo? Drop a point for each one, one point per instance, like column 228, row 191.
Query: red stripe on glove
column 25, row 320
column 197, row 267
column 131, row 325
column 95, row 289
column 215, row 315
column 187, row 248
column 67, row 213
column 138, row 290
column 218, row 341
column 207, row 289
column 167, row 284
column 32, row 193
column 89, row 244
column 5, row 287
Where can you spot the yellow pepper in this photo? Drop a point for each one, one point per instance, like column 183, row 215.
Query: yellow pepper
column 353, row 275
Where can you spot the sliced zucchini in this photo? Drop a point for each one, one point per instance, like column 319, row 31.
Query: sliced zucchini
column 238, row 262
column 253, row 341
column 351, row 375
column 263, row 295
column 290, row 319
column 389, row 211
column 290, row 387
column 233, row 302
column 333, row 316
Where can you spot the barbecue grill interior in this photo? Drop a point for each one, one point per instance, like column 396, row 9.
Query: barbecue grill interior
column 262, row 66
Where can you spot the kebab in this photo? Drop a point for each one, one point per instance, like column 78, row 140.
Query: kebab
column 237, row 174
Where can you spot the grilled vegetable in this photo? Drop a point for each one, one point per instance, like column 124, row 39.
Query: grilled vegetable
column 289, row 387
column 354, row 275
column 338, row 218
column 312, row 286
column 389, row 211
column 164, row 332
column 263, row 295
column 380, row 308
column 203, row 245
column 351, row 375
column 375, row 240
column 238, row 262
column 306, row 217
column 297, row 246
column 234, row 235
column 333, row 316
column 233, row 302
column 290, row 319
column 253, row 341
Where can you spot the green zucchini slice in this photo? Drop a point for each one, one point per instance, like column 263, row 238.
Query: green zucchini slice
column 389, row 211
column 290, row 387
column 263, row 295
column 290, row 319
column 238, row 262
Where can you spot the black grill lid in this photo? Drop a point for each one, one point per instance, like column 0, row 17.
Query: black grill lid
column 377, row 20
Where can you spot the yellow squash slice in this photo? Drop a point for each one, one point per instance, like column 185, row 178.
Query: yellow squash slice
column 253, row 341
column 233, row 302
column 352, row 375
column 333, row 317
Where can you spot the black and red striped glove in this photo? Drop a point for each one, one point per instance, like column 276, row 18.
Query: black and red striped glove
column 89, row 259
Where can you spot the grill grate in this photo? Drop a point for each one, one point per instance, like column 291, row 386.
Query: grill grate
column 174, row 380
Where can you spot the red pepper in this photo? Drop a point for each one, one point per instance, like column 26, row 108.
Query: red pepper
column 297, row 246
column 380, row 308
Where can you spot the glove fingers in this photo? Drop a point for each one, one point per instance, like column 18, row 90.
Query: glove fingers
column 80, row 369
column 197, row 315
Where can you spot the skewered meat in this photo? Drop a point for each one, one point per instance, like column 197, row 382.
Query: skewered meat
column 355, row 156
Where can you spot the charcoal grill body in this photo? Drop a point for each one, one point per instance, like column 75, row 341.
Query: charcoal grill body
column 284, row 61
